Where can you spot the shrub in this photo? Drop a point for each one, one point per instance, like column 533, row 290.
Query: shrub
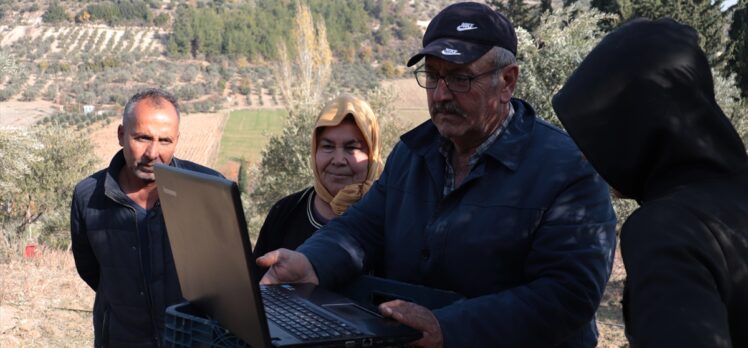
column 55, row 14
column 35, row 185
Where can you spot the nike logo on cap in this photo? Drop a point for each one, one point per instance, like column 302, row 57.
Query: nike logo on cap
column 466, row 26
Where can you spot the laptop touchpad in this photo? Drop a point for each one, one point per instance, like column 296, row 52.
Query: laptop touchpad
column 351, row 311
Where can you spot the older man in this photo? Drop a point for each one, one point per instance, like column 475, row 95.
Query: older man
column 484, row 199
column 119, row 239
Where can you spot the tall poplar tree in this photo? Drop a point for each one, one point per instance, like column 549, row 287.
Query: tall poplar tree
column 302, row 73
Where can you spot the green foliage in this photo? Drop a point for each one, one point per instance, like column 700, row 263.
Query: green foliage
column 99, row 63
column 242, row 180
column 119, row 12
column 355, row 78
column 285, row 167
column 7, row 64
column 40, row 169
column 161, row 20
column 255, row 30
column 738, row 49
column 390, row 70
column 520, row 13
column 607, row 6
column 55, row 13
column 560, row 43
column 551, row 54
column 346, row 22
column 18, row 76
column 623, row 208
column 703, row 15
column 251, row 31
column 728, row 97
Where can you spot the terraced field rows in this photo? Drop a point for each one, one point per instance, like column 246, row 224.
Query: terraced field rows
column 201, row 137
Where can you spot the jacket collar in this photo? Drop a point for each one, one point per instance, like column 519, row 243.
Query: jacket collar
column 509, row 148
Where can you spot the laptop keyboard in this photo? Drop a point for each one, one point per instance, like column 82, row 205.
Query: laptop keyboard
column 293, row 315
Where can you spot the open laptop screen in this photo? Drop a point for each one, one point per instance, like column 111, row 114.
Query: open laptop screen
column 212, row 251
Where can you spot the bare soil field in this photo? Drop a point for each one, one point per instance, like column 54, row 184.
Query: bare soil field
column 24, row 114
column 411, row 99
column 199, row 139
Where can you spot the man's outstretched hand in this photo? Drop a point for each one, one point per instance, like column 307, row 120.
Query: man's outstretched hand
column 287, row 266
column 417, row 317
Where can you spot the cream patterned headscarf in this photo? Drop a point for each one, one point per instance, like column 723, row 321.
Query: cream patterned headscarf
column 332, row 115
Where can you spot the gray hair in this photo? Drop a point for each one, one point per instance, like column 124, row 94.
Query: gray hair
column 502, row 58
column 155, row 95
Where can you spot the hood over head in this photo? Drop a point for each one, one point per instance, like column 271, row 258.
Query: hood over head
column 641, row 108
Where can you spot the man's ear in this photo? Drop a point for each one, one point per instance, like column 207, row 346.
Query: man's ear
column 121, row 135
column 509, row 76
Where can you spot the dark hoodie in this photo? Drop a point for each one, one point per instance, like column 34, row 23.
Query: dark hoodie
column 641, row 108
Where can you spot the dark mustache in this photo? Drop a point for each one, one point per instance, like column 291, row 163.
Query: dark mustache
column 447, row 108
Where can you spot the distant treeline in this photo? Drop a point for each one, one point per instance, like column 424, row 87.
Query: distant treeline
column 255, row 30
column 124, row 12
column 358, row 31
column 132, row 12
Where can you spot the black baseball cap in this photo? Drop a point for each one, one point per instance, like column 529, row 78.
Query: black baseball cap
column 464, row 32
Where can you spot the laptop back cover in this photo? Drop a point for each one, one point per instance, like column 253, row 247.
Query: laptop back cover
column 209, row 237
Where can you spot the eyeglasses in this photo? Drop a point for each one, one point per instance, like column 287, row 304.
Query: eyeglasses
column 455, row 82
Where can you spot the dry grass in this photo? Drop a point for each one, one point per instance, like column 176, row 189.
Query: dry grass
column 609, row 315
column 43, row 303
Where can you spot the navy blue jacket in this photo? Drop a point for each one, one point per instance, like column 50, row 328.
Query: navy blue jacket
column 129, row 309
column 528, row 237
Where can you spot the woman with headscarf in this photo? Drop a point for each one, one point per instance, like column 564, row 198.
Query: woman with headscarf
column 345, row 159
column 642, row 109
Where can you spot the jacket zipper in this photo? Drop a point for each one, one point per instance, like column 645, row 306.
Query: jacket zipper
column 146, row 287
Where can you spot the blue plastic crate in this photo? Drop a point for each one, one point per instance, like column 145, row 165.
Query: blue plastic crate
column 187, row 328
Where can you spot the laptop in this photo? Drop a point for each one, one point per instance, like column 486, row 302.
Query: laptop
column 218, row 275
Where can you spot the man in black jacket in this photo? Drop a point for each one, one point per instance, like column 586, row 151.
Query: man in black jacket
column 119, row 238
column 642, row 109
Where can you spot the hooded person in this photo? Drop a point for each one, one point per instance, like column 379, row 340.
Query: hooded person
column 642, row 109
column 345, row 160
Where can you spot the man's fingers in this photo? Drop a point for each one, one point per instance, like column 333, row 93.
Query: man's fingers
column 417, row 317
column 268, row 280
column 268, row 259
column 401, row 311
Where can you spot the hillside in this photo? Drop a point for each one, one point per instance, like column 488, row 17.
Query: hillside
column 61, row 66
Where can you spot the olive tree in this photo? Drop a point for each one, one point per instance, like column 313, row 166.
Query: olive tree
column 40, row 168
